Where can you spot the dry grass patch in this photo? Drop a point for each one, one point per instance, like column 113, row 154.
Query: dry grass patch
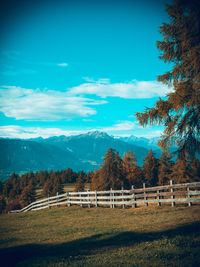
column 75, row 236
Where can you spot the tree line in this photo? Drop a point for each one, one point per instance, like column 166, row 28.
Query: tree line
column 115, row 172
column 19, row 191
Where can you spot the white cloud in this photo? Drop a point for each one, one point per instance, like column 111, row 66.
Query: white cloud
column 48, row 64
column 10, row 71
column 122, row 126
column 89, row 120
column 44, row 105
column 133, row 89
column 88, row 79
column 121, row 129
column 14, row 131
column 64, row 64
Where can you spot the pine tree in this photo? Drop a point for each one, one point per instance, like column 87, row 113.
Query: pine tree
column 57, row 186
column 118, row 179
column 62, row 177
column 53, row 185
column 8, row 186
column 95, row 180
column 12, row 194
column 12, row 186
column 90, row 176
column 6, row 189
column 181, row 171
column 47, row 189
column 42, row 177
column 165, row 168
column 132, row 172
column 180, row 111
column 31, row 176
column 16, row 190
column 110, row 175
column 27, row 196
column 68, row 176
column 195, row 170
column 150, row 169
column 80, row 183
column 24, row 181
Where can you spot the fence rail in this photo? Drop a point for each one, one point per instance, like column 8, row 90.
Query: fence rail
column 172, row 194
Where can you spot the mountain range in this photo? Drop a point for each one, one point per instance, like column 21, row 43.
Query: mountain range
column 81, row 152
column 142, row 141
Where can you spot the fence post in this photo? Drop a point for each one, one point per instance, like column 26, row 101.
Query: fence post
column 158, row 197
column 48, row 202
column 111, row 198
column 88, row 198
column 96, row 198
column 189, row 202
column 123, row 205
column 68, row 200
column 80, row 199
column 172, row 191
column 134, row 199
column 145, row 198
column 57, row 200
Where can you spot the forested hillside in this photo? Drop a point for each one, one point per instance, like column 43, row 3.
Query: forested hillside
column 115, row 172
column 82, row 152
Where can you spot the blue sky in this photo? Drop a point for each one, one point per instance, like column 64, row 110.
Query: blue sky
column 68, row 67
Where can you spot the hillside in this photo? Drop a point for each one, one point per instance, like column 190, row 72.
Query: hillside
column 81, row 152
column 75, row 236
column 91, row 147
column 25, row 156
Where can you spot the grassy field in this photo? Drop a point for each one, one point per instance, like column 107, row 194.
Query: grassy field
column 75, row 236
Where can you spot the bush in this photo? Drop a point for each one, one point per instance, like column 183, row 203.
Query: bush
column 13, row 205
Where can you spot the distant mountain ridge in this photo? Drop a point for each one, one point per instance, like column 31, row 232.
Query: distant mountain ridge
column 142, row 141
column 80, row 152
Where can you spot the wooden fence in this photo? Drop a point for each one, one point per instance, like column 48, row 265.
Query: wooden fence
column 172, row 194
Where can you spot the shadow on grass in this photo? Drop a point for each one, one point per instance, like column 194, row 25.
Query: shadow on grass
column 86, row 246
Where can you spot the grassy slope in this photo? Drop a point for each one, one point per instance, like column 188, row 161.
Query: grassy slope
column 74, row 236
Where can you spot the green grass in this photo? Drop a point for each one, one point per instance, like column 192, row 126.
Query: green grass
column 75, row 236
